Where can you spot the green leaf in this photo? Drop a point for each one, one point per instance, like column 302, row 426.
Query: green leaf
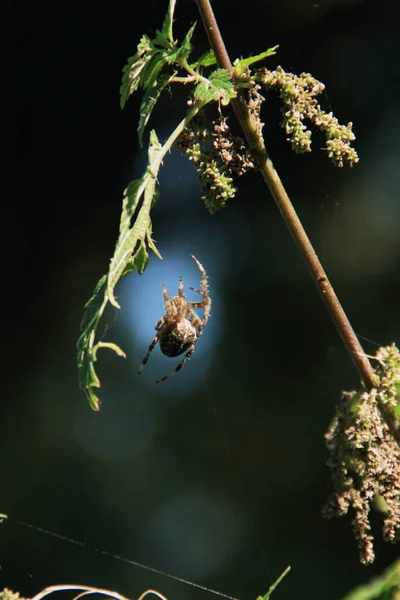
column 274, row 585
column 141, row 258
column 206, row 60
column 154, row 151
column 167, row 25
column 110, row 346
column 130, row 235
column 152, row 70
column 149, row 101
column 183, row 51
column 129, row 203
column 135, row 68
column 384, row 586
column 130, row 253
column 149, row 232
column 218, row 87
column 240, row 66
column 162, row 40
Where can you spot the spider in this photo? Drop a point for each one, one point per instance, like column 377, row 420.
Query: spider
column 180, row 328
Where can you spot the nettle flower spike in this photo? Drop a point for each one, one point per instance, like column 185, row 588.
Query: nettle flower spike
column 299, row 104
column 219, row 157
column 365, row 456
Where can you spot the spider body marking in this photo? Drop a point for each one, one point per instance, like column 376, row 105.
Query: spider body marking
column 180, row 328
column 176, row 338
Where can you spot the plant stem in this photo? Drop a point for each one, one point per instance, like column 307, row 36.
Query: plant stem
column 285, row 206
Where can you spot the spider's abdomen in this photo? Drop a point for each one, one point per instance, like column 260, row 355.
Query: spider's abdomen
column 177, row 337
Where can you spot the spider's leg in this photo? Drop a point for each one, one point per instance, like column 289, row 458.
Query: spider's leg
column 159, row 323
column 165, row 293
column 196, row 290
column 180, row 288
column 195, row 304
column 204, row 290
column 196, row 321
column 151, row 347
column 180, row 366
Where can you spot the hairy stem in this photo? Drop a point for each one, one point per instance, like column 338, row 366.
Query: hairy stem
column 285, row 206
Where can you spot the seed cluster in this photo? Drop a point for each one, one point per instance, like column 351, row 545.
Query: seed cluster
column 299, row 104
column 219, row 157
column 365, row 457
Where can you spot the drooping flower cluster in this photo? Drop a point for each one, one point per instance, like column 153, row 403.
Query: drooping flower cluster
column 219, row 156
column 365, row 455
column 299, row 104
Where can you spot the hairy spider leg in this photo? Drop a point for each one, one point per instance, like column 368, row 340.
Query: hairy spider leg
column 180, row 289
column 203, row 290
column 151, row 347
column 165, row 293
column 196, row 322
column 195, row 304
column 180, row 366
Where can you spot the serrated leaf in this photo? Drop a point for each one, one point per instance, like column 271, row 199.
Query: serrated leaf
column 139, row 261
column 129, row 235
column 218, row 87
column 131, row 79
column 129, row 203
column 156, row 196
column 162, row 40
column 182, row 52
column 168, row 20
column 134, row 69
column 141, row 258
column 145, row 46
column 149, row 101
column 152, row 70
column 130, row 252
column 206, row 60
column 240, row 66
column 149, row 232
column 154, row 151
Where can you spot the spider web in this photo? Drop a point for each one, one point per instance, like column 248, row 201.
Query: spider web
column 118, row 557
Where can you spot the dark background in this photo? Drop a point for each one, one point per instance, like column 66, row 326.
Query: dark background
column 217, row 476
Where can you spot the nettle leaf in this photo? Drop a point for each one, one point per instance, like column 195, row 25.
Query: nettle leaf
column 141, row 258
column 153, row 68
column 218, row 87
column 183, row 51
column 130, row 201
column 149, row 101
column 154, row 151
column 133, row 71
column 139, row 261
column 206, row 60
column 166, row 30
column 240, row 66
column 162, row 40
column 131, row 253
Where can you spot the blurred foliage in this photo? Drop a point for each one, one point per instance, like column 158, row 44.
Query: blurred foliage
column 384, row 587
